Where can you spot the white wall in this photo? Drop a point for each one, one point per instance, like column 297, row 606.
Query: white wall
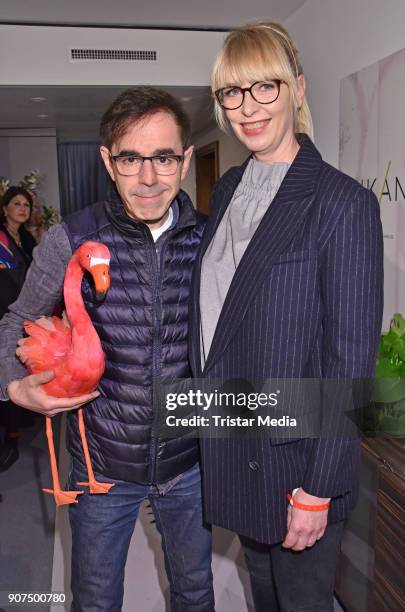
column 41, row 56
column 22, row 151
column 336, row 38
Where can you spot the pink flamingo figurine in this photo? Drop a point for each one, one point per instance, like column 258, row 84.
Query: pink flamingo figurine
column 72, row 349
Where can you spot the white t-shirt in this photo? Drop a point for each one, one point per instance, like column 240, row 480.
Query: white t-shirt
column 156, row 233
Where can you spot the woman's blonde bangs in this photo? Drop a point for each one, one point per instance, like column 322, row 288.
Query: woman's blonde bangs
column 246, row 58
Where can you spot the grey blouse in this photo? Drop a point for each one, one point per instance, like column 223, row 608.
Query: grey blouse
column 252, row 197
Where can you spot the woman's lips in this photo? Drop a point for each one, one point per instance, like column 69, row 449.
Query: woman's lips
column 255, row 127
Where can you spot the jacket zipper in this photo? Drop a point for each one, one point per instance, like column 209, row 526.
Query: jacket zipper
column 156, row 345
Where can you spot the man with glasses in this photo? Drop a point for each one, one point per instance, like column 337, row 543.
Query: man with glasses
column 153, row 232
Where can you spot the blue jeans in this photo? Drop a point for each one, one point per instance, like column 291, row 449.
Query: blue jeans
column 102, row 526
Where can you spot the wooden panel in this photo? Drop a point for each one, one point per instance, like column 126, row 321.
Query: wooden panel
column 389, row 569
column 386, row 599
column 390, row 452
column 207, row 173
column 385, row 583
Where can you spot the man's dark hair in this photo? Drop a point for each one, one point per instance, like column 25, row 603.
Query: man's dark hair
column 138, row 103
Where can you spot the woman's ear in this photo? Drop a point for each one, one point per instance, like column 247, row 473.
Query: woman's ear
column 301, row 88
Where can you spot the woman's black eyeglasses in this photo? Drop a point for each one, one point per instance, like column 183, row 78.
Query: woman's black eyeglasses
column 264, row 92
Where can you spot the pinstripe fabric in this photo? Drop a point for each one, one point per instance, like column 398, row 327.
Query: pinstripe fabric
column 305, row 301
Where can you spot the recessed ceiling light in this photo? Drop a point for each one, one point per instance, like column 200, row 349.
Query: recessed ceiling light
column 186, row 98
column 38, row 99
column 42, row 116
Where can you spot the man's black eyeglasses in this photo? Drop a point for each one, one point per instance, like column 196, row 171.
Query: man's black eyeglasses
column 130, row 165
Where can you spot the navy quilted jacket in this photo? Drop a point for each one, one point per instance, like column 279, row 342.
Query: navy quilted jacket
column 142, row 325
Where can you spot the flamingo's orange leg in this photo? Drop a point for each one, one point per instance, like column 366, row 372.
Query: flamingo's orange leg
column 61, row 497
column 94, row 485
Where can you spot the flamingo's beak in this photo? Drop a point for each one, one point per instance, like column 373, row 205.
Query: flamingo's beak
column 101, row 276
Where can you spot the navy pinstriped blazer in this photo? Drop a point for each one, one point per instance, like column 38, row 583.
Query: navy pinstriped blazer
column 306, row 301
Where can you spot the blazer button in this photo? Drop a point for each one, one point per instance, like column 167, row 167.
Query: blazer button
column 254, row 465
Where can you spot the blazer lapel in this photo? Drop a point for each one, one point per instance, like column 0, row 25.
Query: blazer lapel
column 276, row 230
column 220, row 202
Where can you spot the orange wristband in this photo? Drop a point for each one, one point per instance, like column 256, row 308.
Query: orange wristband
column 307, row 507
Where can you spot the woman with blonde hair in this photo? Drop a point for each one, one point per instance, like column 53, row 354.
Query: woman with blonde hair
column 288, row 285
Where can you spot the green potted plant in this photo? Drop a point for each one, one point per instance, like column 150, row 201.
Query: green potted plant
column 389, row 386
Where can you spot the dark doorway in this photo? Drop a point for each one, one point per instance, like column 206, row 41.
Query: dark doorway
column 207, row 173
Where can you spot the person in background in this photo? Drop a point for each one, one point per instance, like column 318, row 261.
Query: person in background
column 16, row 245
column 288, row 284
column 153, row 232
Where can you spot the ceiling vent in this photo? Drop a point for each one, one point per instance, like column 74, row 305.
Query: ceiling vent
column 102, row 55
